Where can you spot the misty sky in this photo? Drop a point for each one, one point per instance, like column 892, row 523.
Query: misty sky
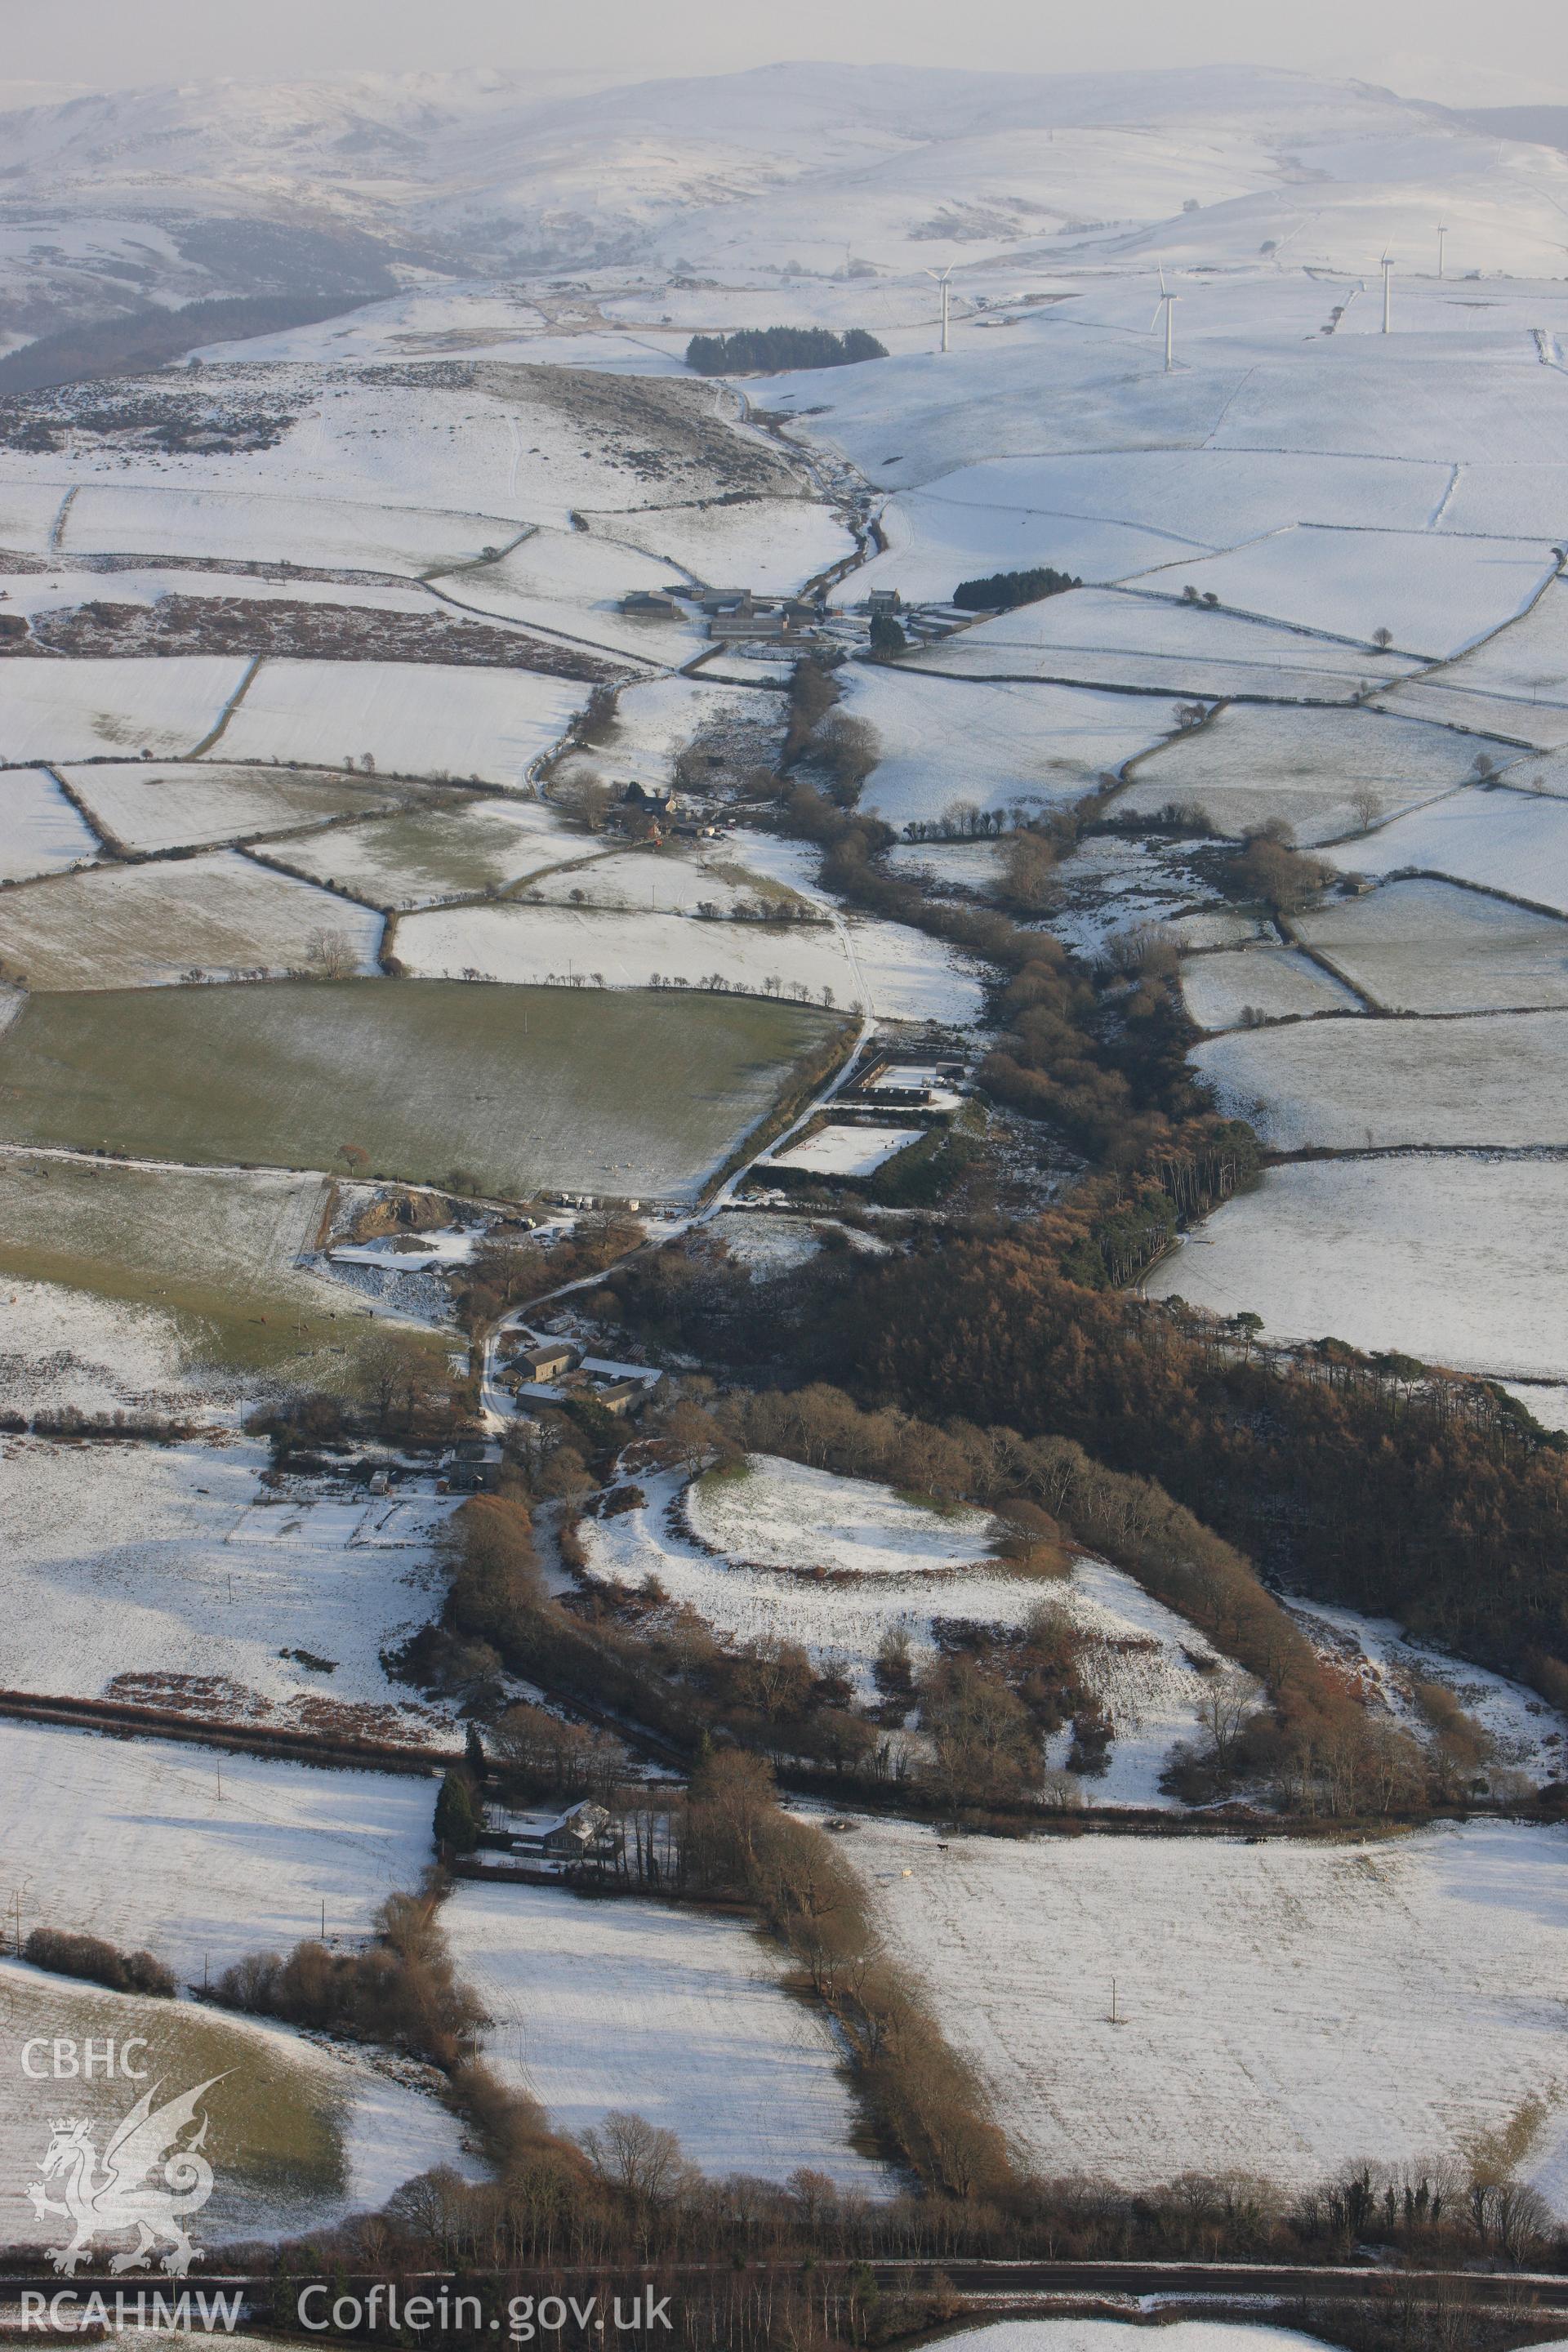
column 109, row 42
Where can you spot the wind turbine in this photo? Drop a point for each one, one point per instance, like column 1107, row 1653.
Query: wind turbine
column 1442, row 235
column 1167, row 303
column 1387, row 267
column 941, row 276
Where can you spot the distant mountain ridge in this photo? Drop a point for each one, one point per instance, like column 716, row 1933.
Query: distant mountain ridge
column 225, row 190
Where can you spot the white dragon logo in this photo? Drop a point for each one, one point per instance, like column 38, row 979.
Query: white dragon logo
column 103, row 2200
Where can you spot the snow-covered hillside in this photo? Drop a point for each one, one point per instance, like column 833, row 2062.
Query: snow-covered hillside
column 181, row 191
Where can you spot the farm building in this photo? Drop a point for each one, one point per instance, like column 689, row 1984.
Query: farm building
column 473, row 1467
column 583, row 1832
column 547, row 1359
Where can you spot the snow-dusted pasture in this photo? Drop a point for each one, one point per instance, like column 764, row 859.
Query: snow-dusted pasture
column 156, row 1285
column 641, row 1095
column 447, row 849
column 1281, row 984
column 301, row 2135
column 1436, row 594
column 40, row 833
column 900, row 973
column 1287, row 2008
column 1427, row 947
column 947, row 739
column 779, row 1514
column 1527, row 1735
column 132, row 1840
column 1201, row 500
column 151, row 807
column 1306, row 766
column 1123, row 2336
column 1348, row 1084
column 673, row 880
column 1442, row 1257
column 428, row 719
column 599, row 2006
column 971, row 865
column 172, row 1566
column 145, row 926
column 884, row 1572
column 774, row 545
column 1515, row 841
column 571, row 582
column 1121, row 637
column 844, row 1149
column 269, row 527
column 28, row 514
column 935, row 540
column 766, row 1242
column 657, row 718
column 90, row 708
column 63, row 1349
column 1524, row 668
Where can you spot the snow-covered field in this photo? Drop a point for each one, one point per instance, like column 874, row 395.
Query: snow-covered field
column 40, row 833
column 1306, row 766
column 1516, row 842
column 146, row 926
column 171, row 1565
column 447, row 848
column 328, row 534
column 92, row 708
column 1441, row 1256
column 1285, row 2008
column 1477, row 1080
column 27, row 515
column 1523, row 672
column 1128, row 2335
column 135, row 1841
column 1426, row 947
column 153, row 806
column 901, row 973
column 1111, row 636
column 780, row 1514
column 427, row 718
column 774, row 545
column 1280, row 983
column 840, row 1564
column 845, row 1150
column 601, row 2004
column 953, row 739
column 1434, row 593
column 571, row 582
column 301, row 2135
column 671, row 880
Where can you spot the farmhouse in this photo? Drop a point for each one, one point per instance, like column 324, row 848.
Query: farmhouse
column 618, row 1396
column 583, row 1832
column 648, row 604
column 547, row 1359
column 473, row 1467
column 647, row 800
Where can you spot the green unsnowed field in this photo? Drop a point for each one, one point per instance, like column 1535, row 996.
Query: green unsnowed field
column 522, row 1088
column 277, row 2116
column 214, row 1252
